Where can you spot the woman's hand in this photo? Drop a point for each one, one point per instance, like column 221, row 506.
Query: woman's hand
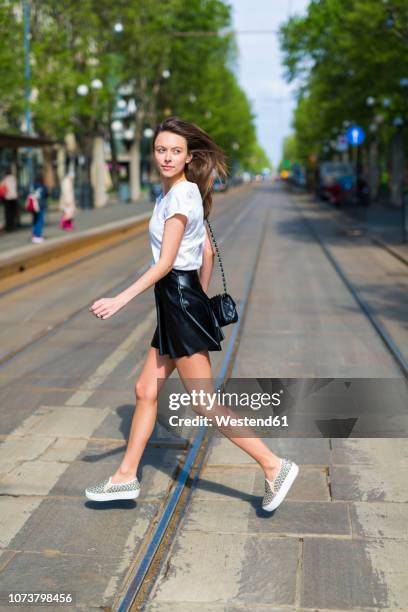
column 107, row 307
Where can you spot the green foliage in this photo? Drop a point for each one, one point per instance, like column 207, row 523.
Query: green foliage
column 11, row 66
column 289, row 152
column 341, row 53
column 73, row 43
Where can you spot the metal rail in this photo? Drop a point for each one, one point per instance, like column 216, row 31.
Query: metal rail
column 136, row 583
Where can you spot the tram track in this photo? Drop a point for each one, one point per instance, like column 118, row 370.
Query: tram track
column 152, row 558
column 158, row 542
column 76, row 259
column 355, row 226
column 379, row 328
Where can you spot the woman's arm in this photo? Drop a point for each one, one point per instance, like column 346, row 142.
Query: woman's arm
column 173, row 233
column 208, row 262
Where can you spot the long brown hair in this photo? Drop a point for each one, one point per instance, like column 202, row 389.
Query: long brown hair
column 207, row 156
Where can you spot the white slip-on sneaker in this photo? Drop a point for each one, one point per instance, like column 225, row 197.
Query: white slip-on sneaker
column 276, row 490
column 109, row 491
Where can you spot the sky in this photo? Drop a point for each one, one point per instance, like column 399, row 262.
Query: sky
column 260, row 70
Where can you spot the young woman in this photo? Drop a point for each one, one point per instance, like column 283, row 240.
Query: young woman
column 67, row 203
column 180, row 270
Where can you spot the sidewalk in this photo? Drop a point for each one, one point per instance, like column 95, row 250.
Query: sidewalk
column 382, row 222
column 85, row 219
column 18, row 253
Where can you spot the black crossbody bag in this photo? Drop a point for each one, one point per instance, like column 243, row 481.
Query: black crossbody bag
column 222, row 304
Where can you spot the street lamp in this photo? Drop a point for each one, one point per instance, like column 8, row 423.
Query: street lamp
column 117, row 125
column 82, row 90
column 129, row 134
column 96, row 84
column 132, row 106
column 404, row 85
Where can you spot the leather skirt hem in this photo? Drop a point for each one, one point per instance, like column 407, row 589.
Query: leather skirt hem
column 186, row 323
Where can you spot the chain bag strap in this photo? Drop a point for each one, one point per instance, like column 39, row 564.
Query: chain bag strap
column 223, row 305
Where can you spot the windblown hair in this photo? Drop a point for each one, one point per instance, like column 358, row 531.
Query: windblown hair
column 207, row 156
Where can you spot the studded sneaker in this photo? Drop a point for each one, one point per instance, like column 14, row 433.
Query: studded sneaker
column 109, row 491
column 276, row 490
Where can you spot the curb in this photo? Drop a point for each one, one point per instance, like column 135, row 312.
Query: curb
column 24, row 258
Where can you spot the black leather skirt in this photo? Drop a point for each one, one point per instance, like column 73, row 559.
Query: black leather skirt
column 186, row 323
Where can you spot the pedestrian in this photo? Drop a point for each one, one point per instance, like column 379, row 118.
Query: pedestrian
column 363, row 191
column 9, row 194
column 67, row 202
column 187, row 328
column 41, row 192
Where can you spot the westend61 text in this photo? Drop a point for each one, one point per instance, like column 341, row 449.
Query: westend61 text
column 228, row 421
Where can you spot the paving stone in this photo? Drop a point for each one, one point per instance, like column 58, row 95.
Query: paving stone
column 85, row 528
column 15, row 450
column 345, row 574
column 239, row 560
column 32, row 478
column 310, row 485
column 156, row 471
column 311, row 451
column 85, row 576
column 14, row 335
column 116, row 423
column 295, row 518
column 14, row 512
column 56, row 360
column 180, row 606
column 63, row 421
column 325, row 518
column 363, row 483
column 21, row 400
column 379, row 520
column 64, row 383
column 369, row 451
column 63, row 449
column 226, row 484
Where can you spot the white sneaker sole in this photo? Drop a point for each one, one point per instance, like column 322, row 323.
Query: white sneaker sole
column 101, row 497
column 280, row 496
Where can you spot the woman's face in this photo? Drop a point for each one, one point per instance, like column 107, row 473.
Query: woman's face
column 170, row 154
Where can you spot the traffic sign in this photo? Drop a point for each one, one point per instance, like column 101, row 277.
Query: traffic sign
column 355, row 135
column 341, row 143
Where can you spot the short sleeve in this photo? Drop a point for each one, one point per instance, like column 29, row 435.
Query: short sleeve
column 180, row 201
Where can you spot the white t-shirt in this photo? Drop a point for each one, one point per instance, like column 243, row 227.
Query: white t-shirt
column 184, row 197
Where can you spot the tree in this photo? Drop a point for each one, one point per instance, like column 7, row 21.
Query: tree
column 349, row 57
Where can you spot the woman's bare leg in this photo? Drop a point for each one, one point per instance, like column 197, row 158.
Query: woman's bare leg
column 147, row 388
column 198, row 366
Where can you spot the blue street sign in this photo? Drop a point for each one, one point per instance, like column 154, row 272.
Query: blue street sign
column 355, row 135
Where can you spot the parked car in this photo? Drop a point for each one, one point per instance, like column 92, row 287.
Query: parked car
column 220, row 184
column 336, row 182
